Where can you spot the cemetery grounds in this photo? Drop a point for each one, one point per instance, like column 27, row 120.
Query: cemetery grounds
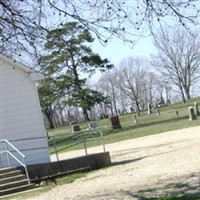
column 166, row 164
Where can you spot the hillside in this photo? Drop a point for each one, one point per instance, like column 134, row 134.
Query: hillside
column 147, row 124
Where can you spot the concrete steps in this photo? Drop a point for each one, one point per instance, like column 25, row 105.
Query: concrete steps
column 12, row 180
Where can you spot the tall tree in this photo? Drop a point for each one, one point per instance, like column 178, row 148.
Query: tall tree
column 178, row 58
column 69, row 56
column 151, row 82
column 108, row 85
column 131, row 77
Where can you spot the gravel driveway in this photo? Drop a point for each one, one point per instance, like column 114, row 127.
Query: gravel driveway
column 148, row 166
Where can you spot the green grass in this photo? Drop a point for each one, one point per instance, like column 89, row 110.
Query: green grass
column 147, row 125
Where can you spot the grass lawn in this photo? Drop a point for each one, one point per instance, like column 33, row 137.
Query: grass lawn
column 147, row 125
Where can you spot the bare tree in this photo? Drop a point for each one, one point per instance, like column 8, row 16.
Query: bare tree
column 107, row 83
column 131, row 77
column 148, row 88
column 178, row 59
column 118, row 17
column 164, row 89
column 22, row 22
column 20, row 26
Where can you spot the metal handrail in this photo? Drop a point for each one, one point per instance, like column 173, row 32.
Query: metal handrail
column 84, row 141
column 22, row 163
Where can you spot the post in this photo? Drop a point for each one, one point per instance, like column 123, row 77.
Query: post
column 26, row 171
column 84, row 142
column 8, row 157
column 54, row 143
column 102, row 140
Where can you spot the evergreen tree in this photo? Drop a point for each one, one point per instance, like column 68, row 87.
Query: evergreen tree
column 68, row 59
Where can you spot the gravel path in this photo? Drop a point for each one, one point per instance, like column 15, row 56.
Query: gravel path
column 148, row 166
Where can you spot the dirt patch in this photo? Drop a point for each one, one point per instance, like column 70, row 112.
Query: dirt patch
column 143, row 167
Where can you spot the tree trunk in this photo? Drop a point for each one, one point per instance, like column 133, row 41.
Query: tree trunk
column 111, row 109
column 137, row 106
column 187, row 92
column 150, row 96
column 183, row 96
column 56, row 120
column 49, row 115
column 62, row 118
column 51, row 122
column 85, row 115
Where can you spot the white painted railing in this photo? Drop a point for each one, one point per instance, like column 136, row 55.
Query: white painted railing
column 8, row 149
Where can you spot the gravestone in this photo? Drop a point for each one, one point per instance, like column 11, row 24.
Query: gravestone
column 92, row 125
column 135, row 119
column 191, row 113
column 158, row 111
column 115, row 122
column 196, row 108
column 76, row 128
column 149, row 108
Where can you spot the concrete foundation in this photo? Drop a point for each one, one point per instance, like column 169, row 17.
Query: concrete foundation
column 92, row 161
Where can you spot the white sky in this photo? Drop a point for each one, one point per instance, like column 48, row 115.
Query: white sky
column 116, row 50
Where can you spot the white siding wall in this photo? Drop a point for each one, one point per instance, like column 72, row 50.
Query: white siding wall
column 21, row 115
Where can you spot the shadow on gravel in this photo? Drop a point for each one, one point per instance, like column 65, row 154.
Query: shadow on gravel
column 180, row 196
column 145, row 148
column 123, row 162
column 178, row 188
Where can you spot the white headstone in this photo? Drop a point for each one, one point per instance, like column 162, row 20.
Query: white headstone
column 135, row 119
column 149, row 108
